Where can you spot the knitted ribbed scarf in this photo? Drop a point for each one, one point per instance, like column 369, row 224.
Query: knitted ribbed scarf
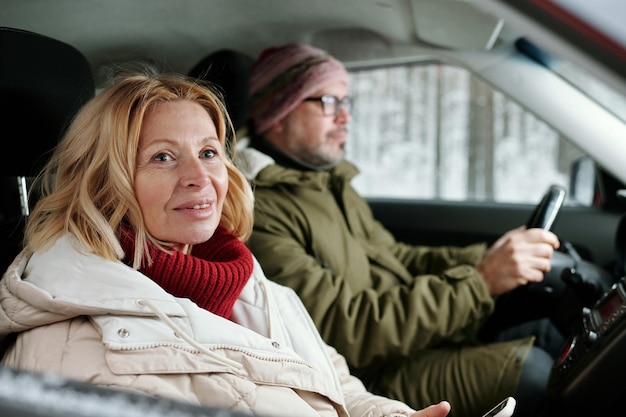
column 213, row 275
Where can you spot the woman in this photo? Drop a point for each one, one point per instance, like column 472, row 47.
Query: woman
column 135, row 274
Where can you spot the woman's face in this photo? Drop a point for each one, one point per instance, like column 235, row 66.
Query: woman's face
column 181, row 180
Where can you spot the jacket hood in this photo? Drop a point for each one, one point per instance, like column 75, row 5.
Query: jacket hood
column 69, row 282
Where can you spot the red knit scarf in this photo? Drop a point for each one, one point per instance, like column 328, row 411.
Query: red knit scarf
column 213, row 276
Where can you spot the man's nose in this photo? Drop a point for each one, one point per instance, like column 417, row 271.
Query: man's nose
column 343, row 113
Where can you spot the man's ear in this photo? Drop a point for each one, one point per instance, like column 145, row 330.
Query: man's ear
column 278, row 127
column 275, row 133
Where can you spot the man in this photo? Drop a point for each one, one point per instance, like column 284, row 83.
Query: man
column 406, row 318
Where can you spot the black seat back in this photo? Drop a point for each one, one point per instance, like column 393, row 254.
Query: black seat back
column 230, row 71
column 43, row 82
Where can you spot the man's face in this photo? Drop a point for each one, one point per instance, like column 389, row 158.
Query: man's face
column 308, row 135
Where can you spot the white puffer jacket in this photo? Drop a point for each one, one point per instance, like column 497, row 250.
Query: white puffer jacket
column 93, row 320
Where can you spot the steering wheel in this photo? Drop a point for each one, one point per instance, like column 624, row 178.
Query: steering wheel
column 548, row 208
column 542, row 299
column 569, row 273
column 543, row 217
column 570, row 283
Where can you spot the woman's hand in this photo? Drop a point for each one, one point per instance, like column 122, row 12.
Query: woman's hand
column 436, row 410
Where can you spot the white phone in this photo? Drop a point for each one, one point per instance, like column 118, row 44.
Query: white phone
column 504, row 409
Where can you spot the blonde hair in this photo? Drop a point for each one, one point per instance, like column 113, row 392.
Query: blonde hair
column 87, row 185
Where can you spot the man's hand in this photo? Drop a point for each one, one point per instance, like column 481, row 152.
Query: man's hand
column 436, row 410
column 520, row 256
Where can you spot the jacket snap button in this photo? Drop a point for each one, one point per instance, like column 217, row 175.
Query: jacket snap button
column 123, row 333
column 276, row 345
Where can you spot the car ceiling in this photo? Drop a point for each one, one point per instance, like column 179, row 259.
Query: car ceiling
column 175, row 35
column 178, row 34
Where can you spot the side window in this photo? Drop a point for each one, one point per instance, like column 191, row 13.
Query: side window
column 434, row 131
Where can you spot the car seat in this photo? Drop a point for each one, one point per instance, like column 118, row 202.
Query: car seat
column 229, row 70
column 43, row 82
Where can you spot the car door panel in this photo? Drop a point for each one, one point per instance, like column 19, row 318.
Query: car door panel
column 438, row 222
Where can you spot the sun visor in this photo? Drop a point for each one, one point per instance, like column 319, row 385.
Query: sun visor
column 466, row 26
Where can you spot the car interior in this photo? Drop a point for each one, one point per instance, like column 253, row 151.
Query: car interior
column 55, row 56
column 45, row 81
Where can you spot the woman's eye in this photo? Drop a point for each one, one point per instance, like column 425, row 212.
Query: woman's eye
column 209, row 153
column 163, row 157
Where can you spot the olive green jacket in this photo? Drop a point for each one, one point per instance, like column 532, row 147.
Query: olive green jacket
column 378, row 301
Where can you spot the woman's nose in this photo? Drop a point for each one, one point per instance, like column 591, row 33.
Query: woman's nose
column 194, row 173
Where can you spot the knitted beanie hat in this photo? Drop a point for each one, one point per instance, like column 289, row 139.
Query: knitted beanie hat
column 283, row 76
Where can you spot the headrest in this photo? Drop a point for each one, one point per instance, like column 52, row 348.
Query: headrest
column 230, row 71
column 43, row 82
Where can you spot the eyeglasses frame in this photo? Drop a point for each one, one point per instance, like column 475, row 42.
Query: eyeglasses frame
column 329, row 99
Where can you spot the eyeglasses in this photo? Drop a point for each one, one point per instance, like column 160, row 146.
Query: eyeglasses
column 331, row 104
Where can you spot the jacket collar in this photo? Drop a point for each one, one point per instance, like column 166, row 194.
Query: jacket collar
column 262, row 169
column 69, row 273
